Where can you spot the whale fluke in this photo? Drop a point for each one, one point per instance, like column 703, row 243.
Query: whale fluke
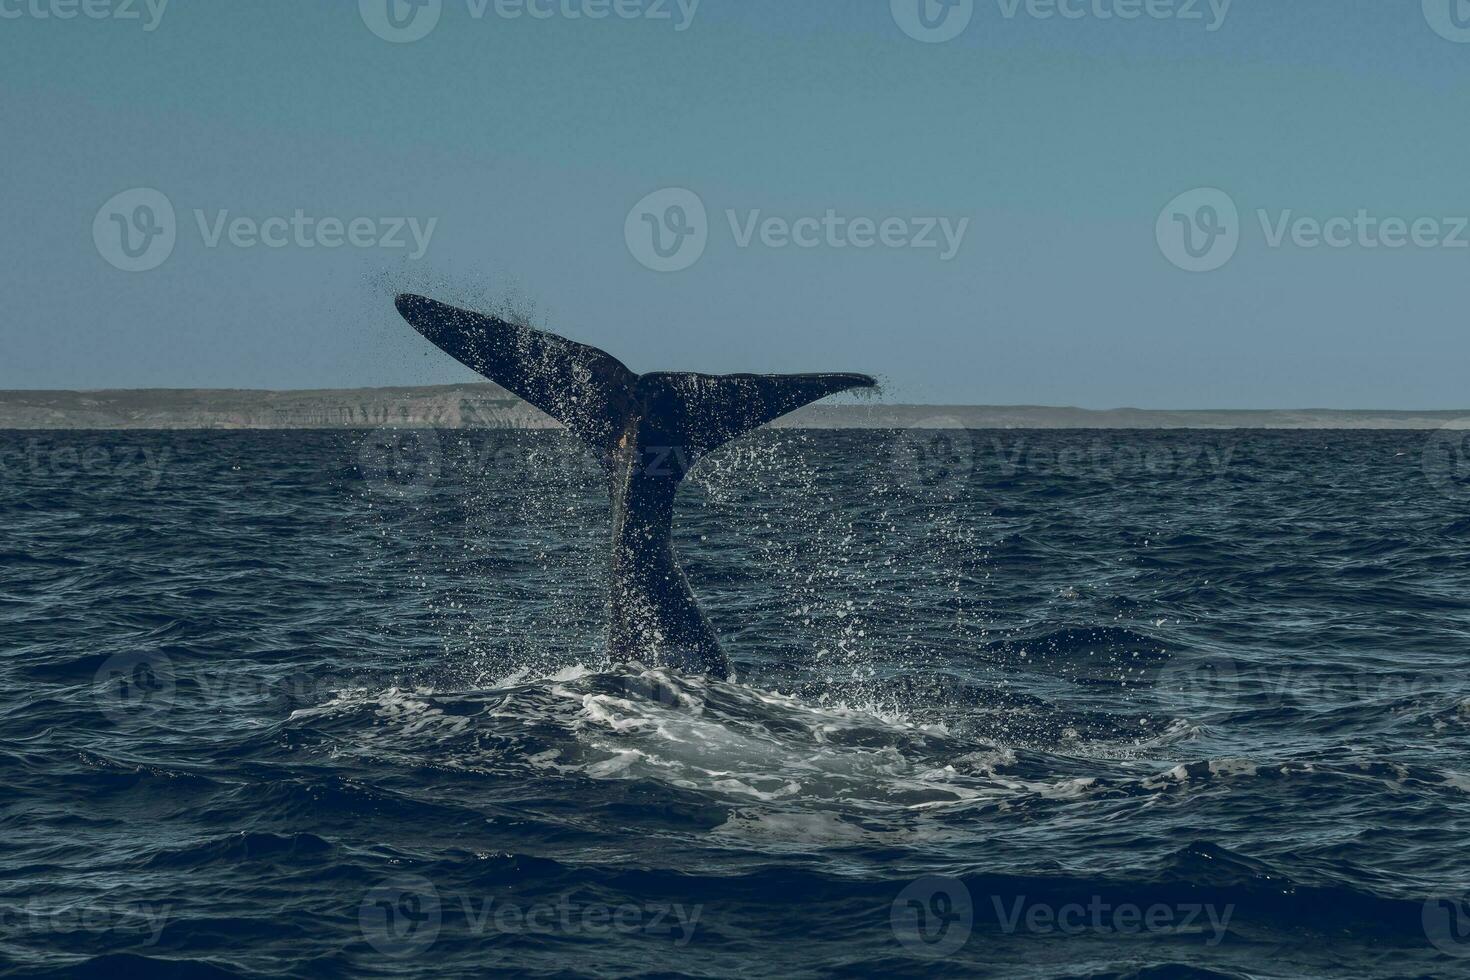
column 583, row 388
column 711, row 410
column 647, row 430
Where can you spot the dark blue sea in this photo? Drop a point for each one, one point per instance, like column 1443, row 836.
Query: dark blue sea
column 1009, row 703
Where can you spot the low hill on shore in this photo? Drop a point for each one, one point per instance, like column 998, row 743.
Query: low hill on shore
column 476, row 406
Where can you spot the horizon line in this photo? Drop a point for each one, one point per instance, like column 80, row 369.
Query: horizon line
column 861, row 403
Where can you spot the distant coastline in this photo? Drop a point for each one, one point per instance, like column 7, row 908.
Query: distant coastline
column 476, row 406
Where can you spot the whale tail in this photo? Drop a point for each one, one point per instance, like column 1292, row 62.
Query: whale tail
column 594, row 395
column 634, row 423
column 585, row 389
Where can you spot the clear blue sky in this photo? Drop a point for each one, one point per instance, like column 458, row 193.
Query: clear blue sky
column 530, row 140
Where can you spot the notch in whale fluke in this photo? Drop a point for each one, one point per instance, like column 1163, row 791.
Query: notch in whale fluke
column 594, row 395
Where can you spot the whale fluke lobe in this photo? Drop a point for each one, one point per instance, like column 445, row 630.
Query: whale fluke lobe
column 647, row 430
column 581, row 387
column 714, row 409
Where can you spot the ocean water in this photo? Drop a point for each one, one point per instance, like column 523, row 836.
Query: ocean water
column 1012, row 704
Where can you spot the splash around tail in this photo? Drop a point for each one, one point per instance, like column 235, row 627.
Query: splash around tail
column 647, row 430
